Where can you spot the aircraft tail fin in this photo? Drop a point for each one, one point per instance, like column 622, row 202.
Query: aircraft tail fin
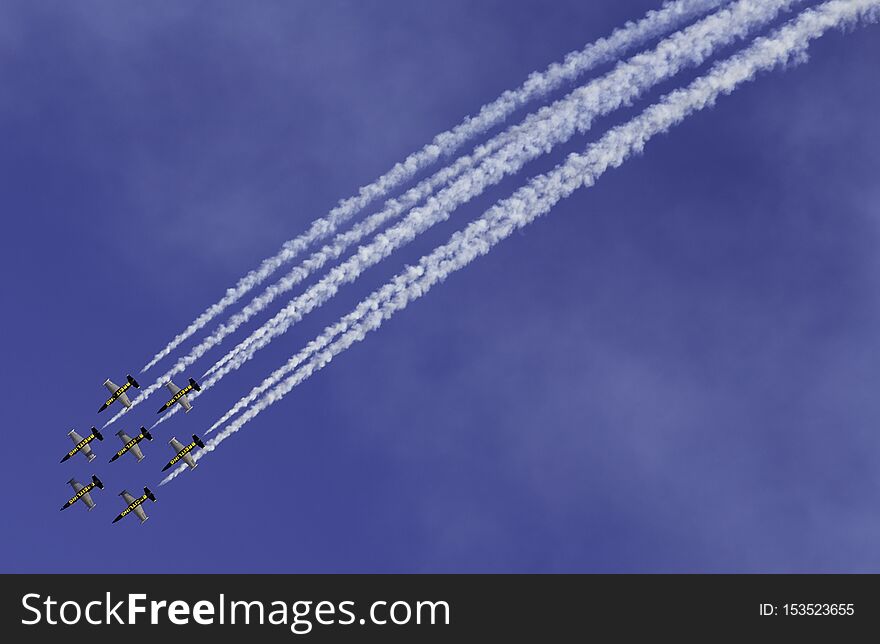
column 195, row 385
column 198, row 441
column 97, row 482
column 146, row 433
column 134, row 383
column 149, row 494
column 97, row 434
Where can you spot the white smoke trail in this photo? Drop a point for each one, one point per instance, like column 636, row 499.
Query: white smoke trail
column 536, row 135
column 785, row 45
column 655, row 23
column 393, row 208
column 524, row 142
column 173, row 410
column 118, row 415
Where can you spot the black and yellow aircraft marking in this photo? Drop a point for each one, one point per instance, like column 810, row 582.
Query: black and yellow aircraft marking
column 88, row 439
column 131, row 506
column 196, row 442
column 192, row 386
column 131, row 382
column 95, row 483
column 134, row 441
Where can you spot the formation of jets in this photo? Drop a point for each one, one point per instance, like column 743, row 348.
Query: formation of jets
column 130, row 444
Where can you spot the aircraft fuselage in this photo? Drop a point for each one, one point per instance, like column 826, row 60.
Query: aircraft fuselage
column 131, row 506
column 180, row 454
column 76, row 497
column 180, row 394
column 116, row 394
column 88, row 439
column 134, row 441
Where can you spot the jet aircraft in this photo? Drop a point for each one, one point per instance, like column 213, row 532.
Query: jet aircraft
column 82, row 444
column 134, row 504
column 118, row 393
column 82, row 492
column 183, row 452
column 178, row 395
column 129, row 443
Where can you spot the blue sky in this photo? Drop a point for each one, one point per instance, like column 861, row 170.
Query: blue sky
column 675, row 371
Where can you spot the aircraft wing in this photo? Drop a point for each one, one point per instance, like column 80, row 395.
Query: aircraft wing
column 88, row 452
column 123, row 436
column 128, row 498
column 76, row 438
column 76, row 485
column 189, row 460
column 87, row 499
column 136, row 450
column 187, row 405
column 176, row 444
column 139, row 511
column 170, row 386
column 112, row 386
column 123, row 398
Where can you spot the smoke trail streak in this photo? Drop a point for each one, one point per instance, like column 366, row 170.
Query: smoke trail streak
column 118, row 415
column 173, row 410
column 536, row 135
column 786, row 45
column 633, row 34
